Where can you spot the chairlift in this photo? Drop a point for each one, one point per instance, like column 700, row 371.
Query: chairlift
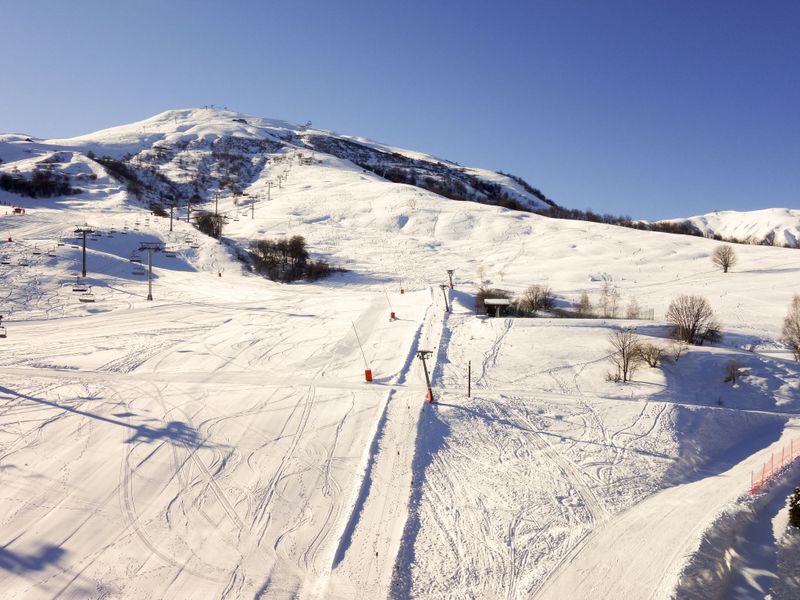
column 4, row 260
column 23, row 262
column 139, row 270
column 170, row 253
column 135, row 258
column 36, row 251
column 78, row 286
column 88, row 296
column 2, row 331
column 51, row 253
column 61, row 243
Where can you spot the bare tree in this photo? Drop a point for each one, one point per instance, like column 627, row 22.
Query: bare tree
column 609, row 300
column 791, row 327
column 537, row 297
column 625, row 353
column 693, row 320
column 633, row 309
column 724, row 257
column 584, row 308
column 678, row 348
column 651, row 354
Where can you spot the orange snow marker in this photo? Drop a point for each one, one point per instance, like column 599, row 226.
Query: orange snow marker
column 392, row 317
column 367, row 370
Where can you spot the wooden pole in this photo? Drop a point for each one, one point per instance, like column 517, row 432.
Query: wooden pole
column 364, row 356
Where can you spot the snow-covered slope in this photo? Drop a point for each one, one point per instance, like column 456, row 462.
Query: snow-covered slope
column 221, row 441
column 182, row 153
column 773, row 226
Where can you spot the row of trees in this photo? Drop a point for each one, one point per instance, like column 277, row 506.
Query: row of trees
column 287, row 259
column 693, row 322
column 43, row 183
column 209, row 223
column 539, row 298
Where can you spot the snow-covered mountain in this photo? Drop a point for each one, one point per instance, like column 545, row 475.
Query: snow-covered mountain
column 770, row 226
column 193, row 153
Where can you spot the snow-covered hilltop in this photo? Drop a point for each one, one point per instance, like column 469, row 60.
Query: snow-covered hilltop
column 770, row 226
column 181, row 154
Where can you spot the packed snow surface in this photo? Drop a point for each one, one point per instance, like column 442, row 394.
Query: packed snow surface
column 220, row 441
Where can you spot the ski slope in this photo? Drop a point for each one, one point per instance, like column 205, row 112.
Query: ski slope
column 221, row 442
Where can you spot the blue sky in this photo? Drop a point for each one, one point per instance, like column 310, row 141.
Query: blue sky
column 650, row 109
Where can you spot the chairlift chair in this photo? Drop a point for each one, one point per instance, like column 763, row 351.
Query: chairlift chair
column 135, row 258
column 4, row 260
column 2, row 331
column 87, row 296
column 138, row 271
column 23, row 262
column 78, row 286
column 51, row 253
column 36, row 251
